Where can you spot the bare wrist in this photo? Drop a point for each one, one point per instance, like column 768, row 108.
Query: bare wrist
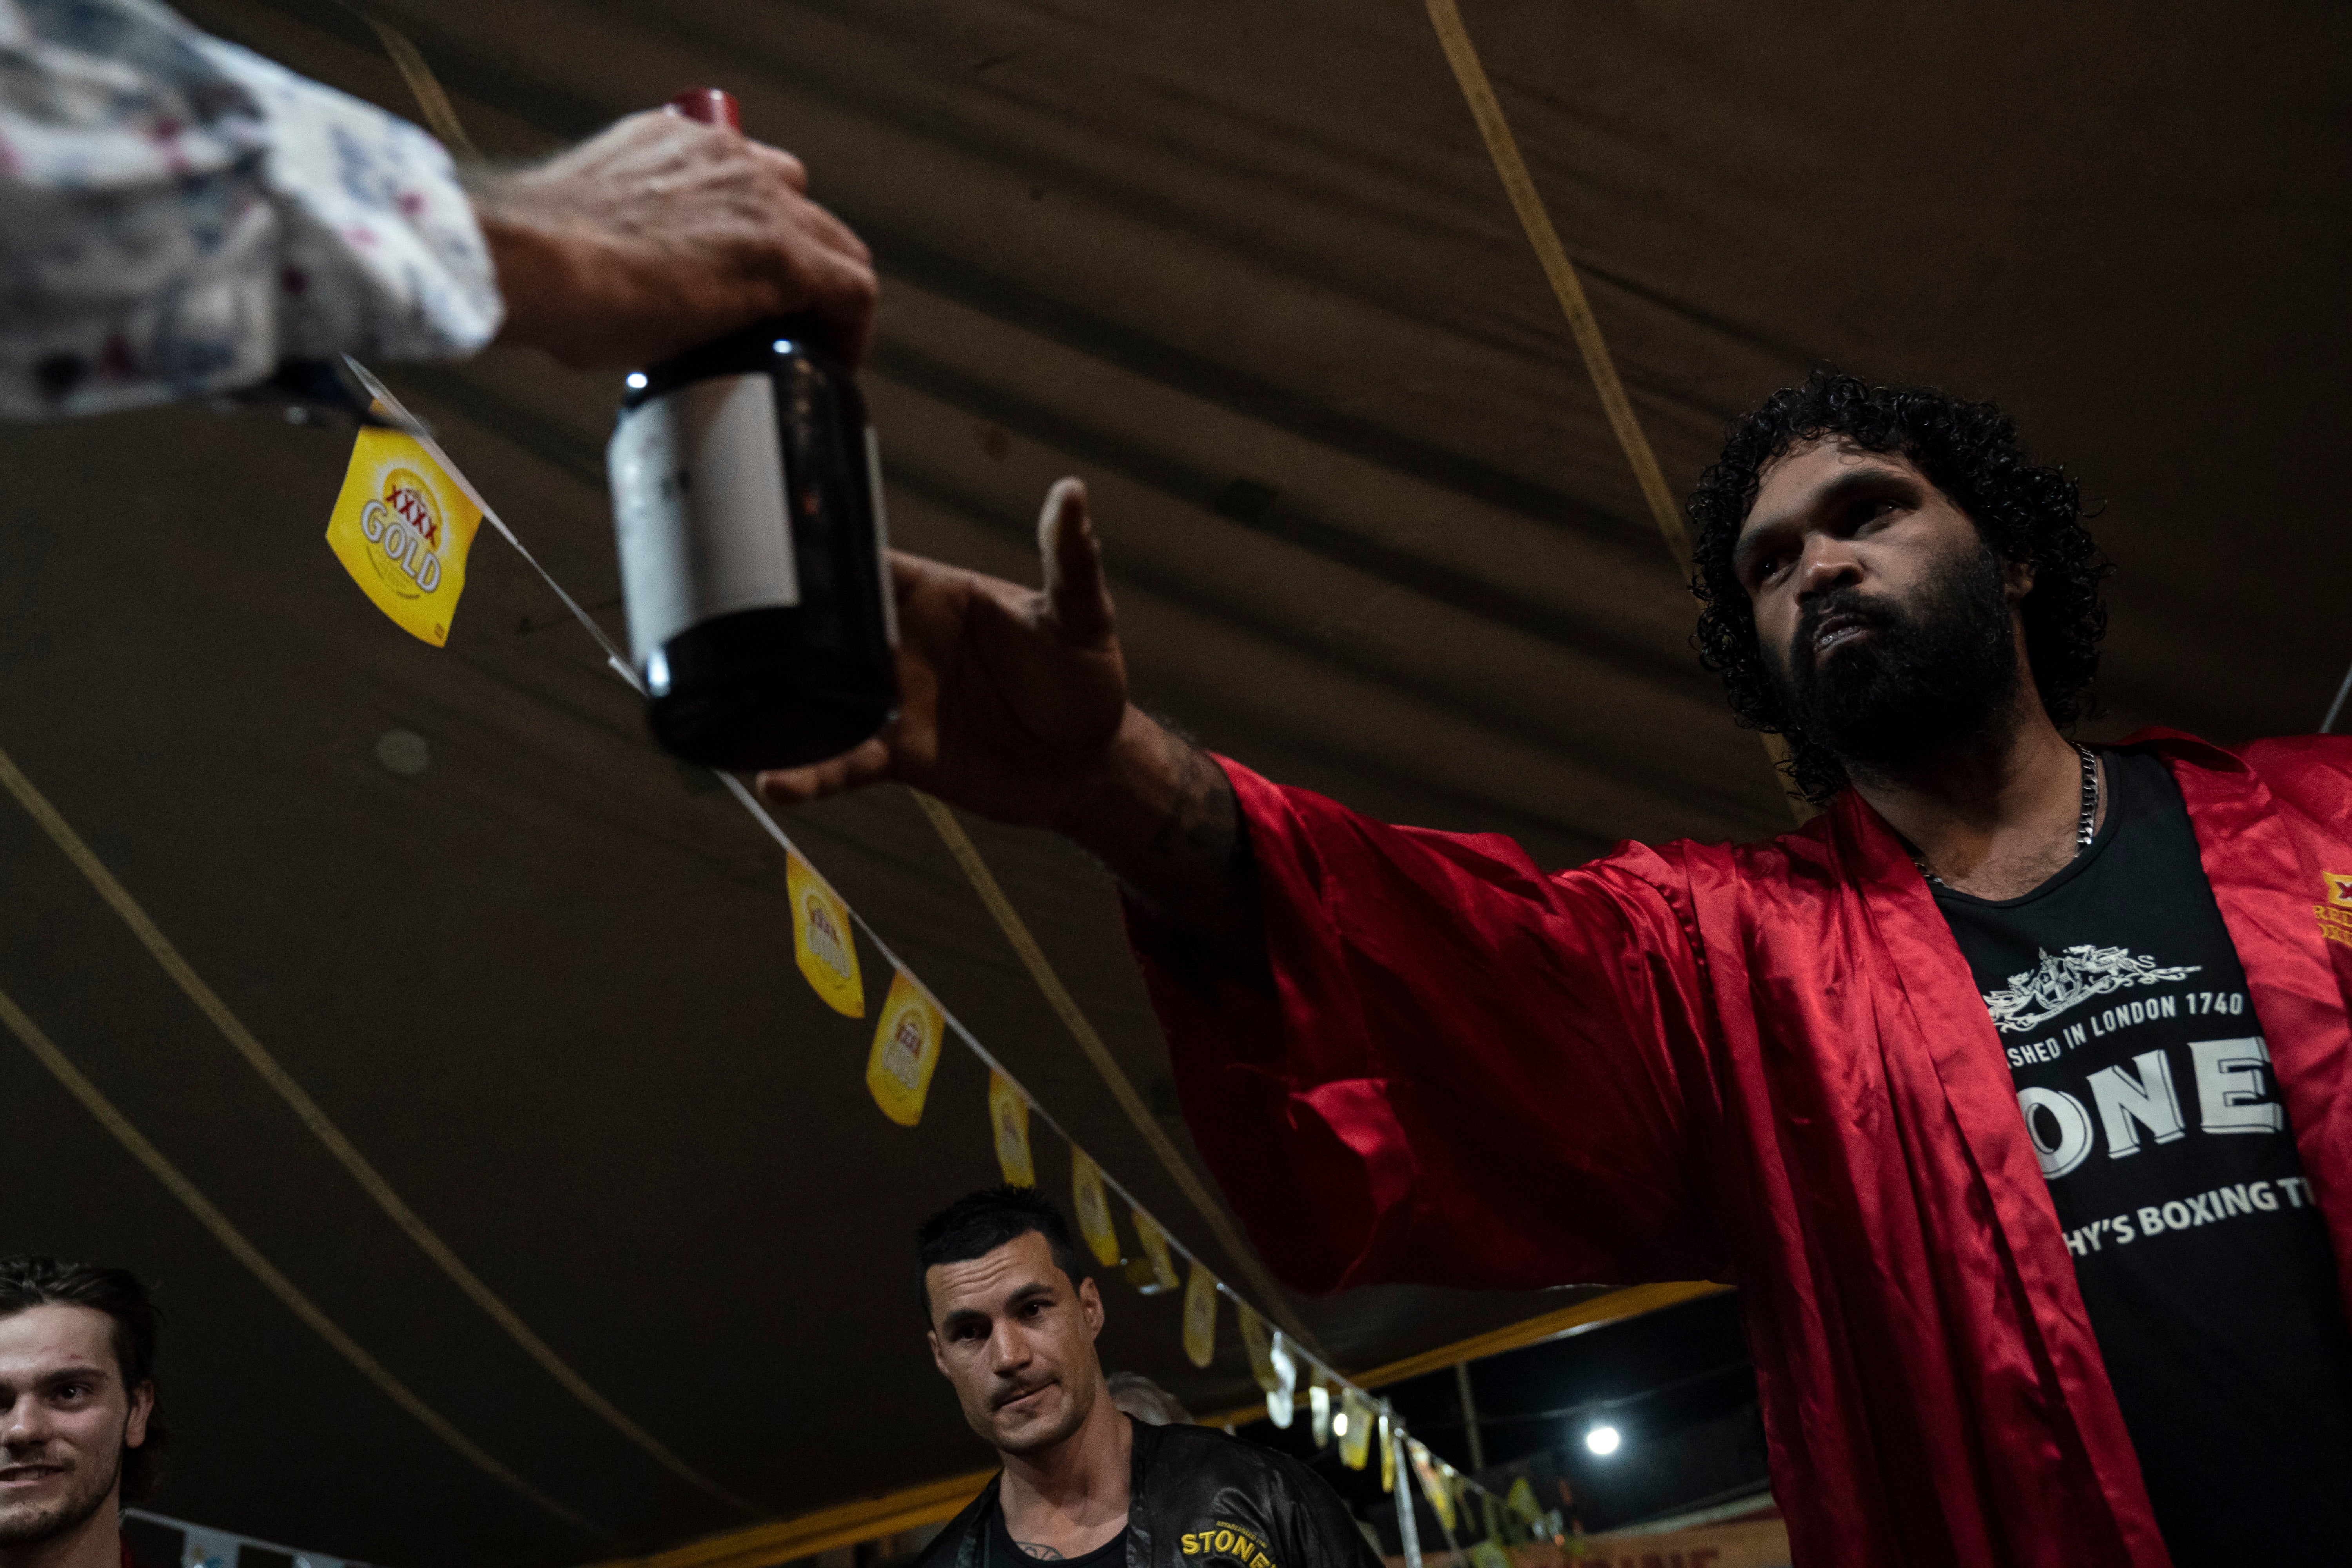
column 537, row 274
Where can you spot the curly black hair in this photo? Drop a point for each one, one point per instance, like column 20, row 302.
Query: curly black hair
column 1968, row 451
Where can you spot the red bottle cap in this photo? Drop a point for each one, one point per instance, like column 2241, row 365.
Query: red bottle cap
column 708, row 105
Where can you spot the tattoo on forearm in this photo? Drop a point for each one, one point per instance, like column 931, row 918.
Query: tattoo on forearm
column 1194, row 872
column 1038, row 1550
column 1201, row 818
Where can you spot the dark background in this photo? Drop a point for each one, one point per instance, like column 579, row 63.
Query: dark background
column 1247, row 269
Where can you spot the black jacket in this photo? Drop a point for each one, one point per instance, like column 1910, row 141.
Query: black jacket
column 1198, row 1499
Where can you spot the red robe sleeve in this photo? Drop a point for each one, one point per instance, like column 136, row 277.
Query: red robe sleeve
column 1466, row 1072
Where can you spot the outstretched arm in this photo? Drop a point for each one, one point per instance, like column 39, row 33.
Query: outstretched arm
column 1409, row 1055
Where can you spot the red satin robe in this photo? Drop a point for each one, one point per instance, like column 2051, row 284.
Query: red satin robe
column 1765, row 1063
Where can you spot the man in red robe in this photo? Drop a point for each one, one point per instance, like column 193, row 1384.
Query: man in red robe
column 2011, row 1090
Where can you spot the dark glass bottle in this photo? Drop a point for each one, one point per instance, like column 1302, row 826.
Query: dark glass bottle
column 748, row 503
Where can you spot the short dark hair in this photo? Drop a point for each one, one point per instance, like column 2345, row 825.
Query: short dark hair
column 30, row 1282
column 1967, row 450
column 979, row 1222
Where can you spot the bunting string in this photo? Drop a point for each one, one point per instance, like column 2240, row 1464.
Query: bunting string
column 2327, row 725
column 912, row 1023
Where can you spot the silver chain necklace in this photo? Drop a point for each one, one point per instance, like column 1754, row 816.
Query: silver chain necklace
column 2082, row 829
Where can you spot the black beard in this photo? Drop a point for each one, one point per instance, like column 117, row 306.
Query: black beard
column 1937, row 670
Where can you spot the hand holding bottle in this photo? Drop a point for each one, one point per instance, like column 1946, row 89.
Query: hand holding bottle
column 658, row 234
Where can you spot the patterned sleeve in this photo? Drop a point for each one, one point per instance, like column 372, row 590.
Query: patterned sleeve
column 179, row 216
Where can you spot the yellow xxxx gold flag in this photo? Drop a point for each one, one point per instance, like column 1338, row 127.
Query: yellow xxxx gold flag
column 1318, row 1412
column 1201, row 1316
column 1008, row 1114
column 906, row 1050
column 402, row 527
column 1355, row 1430
column 1270, row 1363
column 1388, row 1456
column 1258, row 1342
column 1434, row 1484
column 821, row 939
column 1157, row 1270
column 1093, row 1205
column 1283, row 1404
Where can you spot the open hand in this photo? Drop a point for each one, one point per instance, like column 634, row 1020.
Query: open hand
column 1009, row 697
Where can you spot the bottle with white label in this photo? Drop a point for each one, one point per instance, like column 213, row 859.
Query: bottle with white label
column 747, row 497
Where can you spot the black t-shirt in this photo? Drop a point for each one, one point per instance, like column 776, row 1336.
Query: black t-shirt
column 2147, row 1088
column 1003, row 1551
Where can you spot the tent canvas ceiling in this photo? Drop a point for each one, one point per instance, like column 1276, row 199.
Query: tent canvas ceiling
column 1247, row 269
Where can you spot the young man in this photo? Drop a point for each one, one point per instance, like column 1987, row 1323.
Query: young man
column 1013, row 1317
column 78, row 1436
column 2011, row 1090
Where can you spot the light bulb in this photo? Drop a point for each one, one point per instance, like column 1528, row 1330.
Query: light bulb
column 1602, row 1440
column 1339, row 1424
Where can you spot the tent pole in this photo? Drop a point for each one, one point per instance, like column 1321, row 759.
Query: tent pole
column 2327, row 725
column 1407, row 1486
column 1470, row 1417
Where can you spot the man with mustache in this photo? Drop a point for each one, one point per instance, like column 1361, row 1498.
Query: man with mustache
column 78, row 1436
column 2011, row 1090
column 1012, row 1318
